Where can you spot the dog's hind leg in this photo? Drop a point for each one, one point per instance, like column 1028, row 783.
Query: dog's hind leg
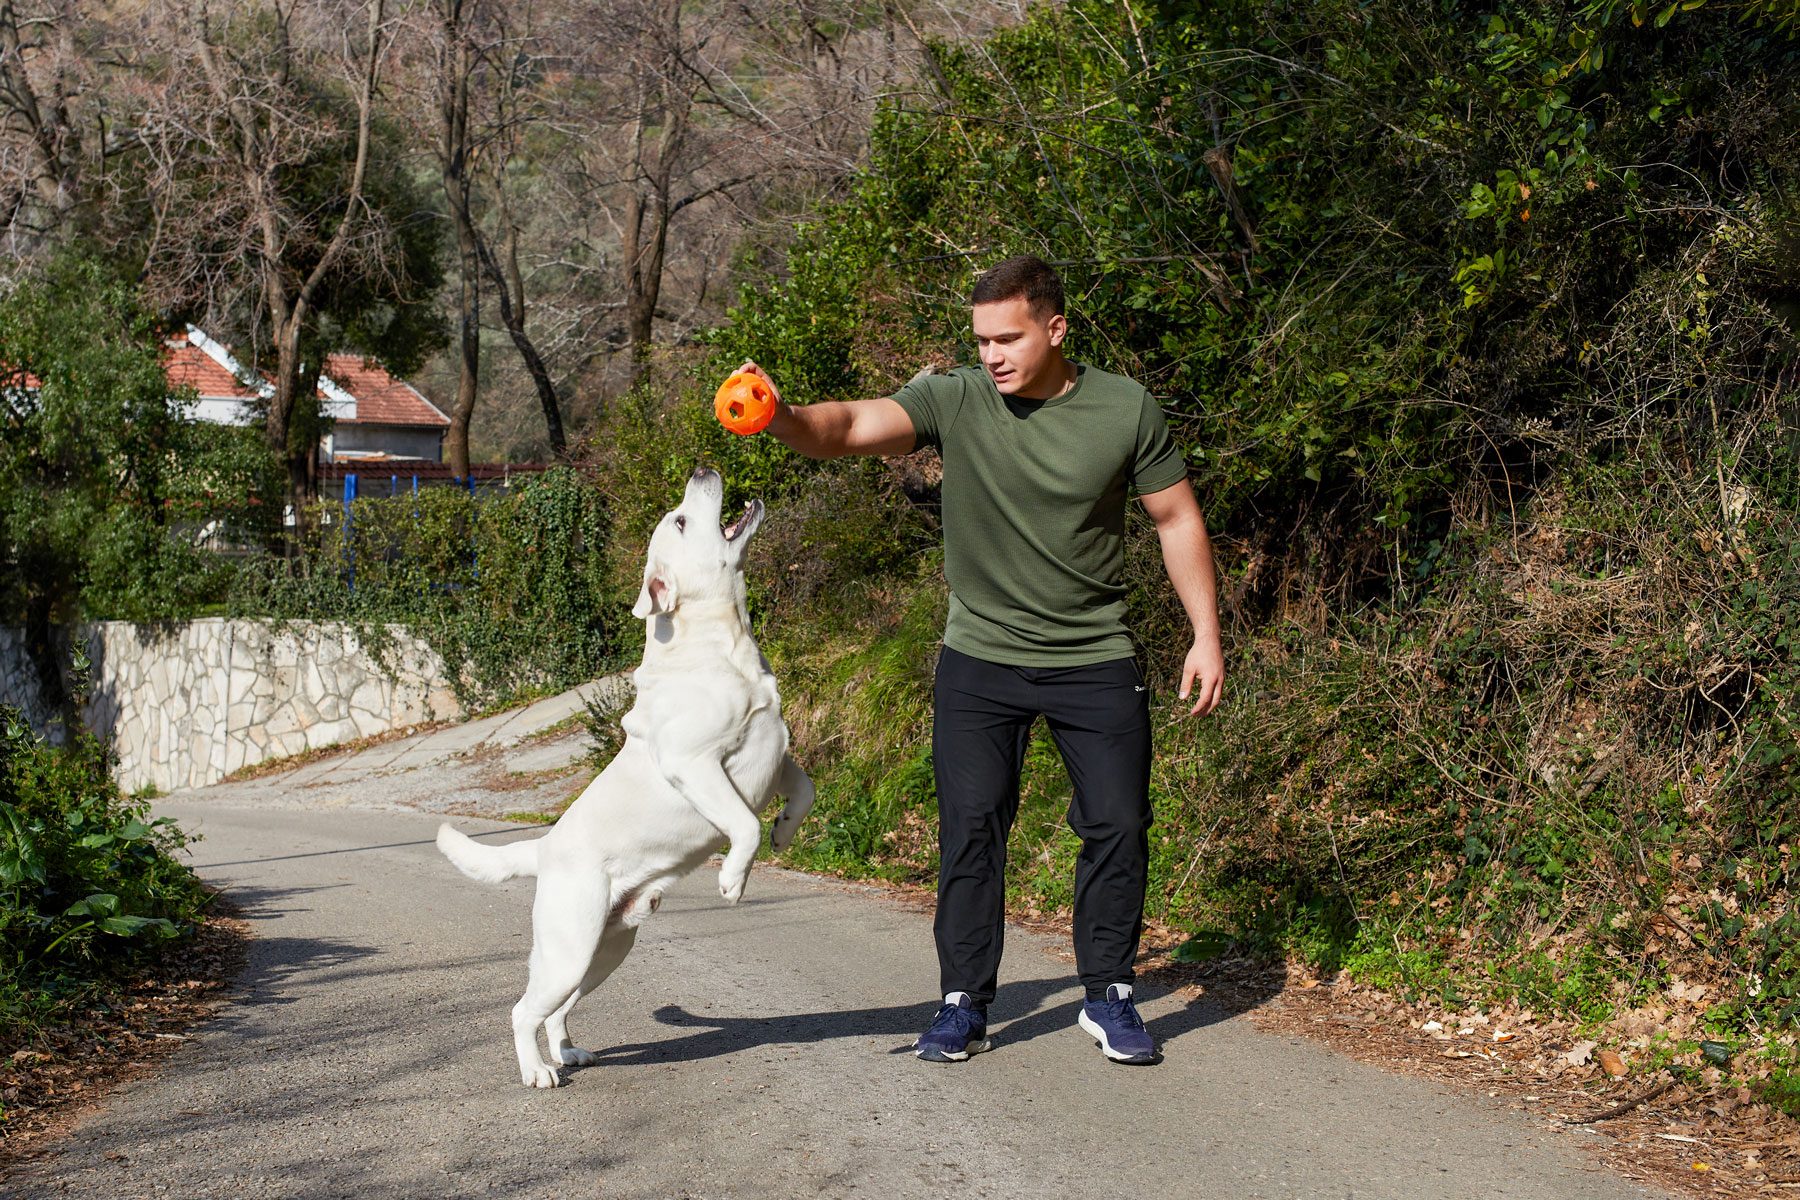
column 615, row 944
column 566, row 921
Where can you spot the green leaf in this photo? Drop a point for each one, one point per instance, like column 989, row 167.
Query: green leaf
column 99, row 904
column 1204, row 945
column 131, row 926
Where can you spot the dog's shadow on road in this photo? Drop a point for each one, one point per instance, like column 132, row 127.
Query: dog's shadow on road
column 1021, row 1012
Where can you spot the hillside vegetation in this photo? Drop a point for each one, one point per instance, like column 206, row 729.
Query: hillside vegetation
column 1478, row 327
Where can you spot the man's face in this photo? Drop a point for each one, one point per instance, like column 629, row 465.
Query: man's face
column 1017, row 347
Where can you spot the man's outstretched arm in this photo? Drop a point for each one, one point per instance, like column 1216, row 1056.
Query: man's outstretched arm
column 1187, row 555
column 839, row 427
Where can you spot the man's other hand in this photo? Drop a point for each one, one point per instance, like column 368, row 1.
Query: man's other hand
column 1203, row 675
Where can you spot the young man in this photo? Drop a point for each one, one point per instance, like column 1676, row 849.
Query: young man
column 1039, row 453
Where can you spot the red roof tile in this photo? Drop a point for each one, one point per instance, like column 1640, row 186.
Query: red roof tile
column 380, row 398
column 189, row 366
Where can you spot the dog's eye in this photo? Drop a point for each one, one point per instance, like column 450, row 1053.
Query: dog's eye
column 681, row 524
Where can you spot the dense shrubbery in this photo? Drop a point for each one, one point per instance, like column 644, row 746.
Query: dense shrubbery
column 1479, row 328
column 106, row 481
column 512, row 590
column 87, row 881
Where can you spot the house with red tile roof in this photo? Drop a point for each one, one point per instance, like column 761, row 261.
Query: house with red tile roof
column 375, row 417
column 387, row 418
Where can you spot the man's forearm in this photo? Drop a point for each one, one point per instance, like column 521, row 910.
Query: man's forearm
column 815, row 430
column 1188, row 558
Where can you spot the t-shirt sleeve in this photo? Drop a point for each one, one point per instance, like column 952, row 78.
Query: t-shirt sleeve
column 1159, row 462
column 930, row 400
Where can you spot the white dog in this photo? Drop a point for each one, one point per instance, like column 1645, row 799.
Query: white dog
column 705, row 751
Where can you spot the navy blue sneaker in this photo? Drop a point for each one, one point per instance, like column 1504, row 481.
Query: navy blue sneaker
column 958, row 1030
column 1115, row 1024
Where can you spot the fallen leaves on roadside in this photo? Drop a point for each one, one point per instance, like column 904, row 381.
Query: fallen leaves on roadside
column 1537, row 1064
column 115, row 1037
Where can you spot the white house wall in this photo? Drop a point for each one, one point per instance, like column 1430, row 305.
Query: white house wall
column 401, row 442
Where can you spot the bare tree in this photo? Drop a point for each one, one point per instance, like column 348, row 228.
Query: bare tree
column 44, row 149
column 503, row 265
column 66, row 124
column 250, row 191
column 716, row 107
column 471, row 62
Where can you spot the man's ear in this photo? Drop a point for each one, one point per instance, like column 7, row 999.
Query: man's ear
column 658, row 595
column 1058, row 328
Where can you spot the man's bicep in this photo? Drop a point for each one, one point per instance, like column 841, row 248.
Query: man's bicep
column 1171, row 505
column 879, row 427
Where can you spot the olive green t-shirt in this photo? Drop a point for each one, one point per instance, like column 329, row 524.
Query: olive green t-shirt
column 1034, row 498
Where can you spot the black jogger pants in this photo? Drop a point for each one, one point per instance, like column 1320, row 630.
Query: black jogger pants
column 1099, row 716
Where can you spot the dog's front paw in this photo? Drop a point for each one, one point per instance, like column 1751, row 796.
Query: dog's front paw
column 575, row 1056
column 731, row 885
column 539, row 1075
column 782, row 835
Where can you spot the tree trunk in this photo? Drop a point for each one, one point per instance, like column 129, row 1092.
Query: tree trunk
column 287, row 381
column 47, row 659
column 643, row 255
column 453, row 164
column 509, row 292
column 456, row 442
column 56, row 146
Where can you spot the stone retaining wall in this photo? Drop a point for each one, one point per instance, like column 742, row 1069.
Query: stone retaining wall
column 187, row 704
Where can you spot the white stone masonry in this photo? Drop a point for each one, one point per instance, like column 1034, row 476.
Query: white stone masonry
column 187, row 704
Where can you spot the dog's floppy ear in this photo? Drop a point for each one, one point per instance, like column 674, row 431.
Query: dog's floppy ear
column 658, row 595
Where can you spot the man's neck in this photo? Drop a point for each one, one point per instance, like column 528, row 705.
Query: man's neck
column 1057, row 379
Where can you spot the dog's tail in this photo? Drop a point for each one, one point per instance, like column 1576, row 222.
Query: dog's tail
column 489, row 864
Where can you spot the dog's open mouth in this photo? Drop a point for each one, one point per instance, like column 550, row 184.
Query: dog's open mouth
column 738, row 526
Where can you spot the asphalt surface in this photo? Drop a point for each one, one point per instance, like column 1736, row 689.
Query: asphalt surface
column 756, row 1051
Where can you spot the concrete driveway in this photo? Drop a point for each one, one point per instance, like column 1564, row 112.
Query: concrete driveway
column 757, row 1051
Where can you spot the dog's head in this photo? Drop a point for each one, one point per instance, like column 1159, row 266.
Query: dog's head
column 691, row 557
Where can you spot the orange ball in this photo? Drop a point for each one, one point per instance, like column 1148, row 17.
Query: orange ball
column 745, row 404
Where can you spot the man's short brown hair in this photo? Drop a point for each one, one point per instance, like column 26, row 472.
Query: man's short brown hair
column 1027, row 276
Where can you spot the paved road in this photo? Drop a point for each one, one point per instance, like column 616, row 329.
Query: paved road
column 750, row 1052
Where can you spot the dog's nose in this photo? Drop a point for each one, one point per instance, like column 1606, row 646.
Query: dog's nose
column 702, row 472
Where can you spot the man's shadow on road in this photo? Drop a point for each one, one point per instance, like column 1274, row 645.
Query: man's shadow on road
column 1019, row 1014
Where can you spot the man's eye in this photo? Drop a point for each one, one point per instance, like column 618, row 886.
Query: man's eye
column 681, row 524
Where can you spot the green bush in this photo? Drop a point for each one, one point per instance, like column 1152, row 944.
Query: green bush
column 88, row 881
column 106, row 479
column 512, row 590
column 1478, row 328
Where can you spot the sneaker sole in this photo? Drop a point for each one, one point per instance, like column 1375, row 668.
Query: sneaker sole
column 933, row 1054
column 1092, row 1028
